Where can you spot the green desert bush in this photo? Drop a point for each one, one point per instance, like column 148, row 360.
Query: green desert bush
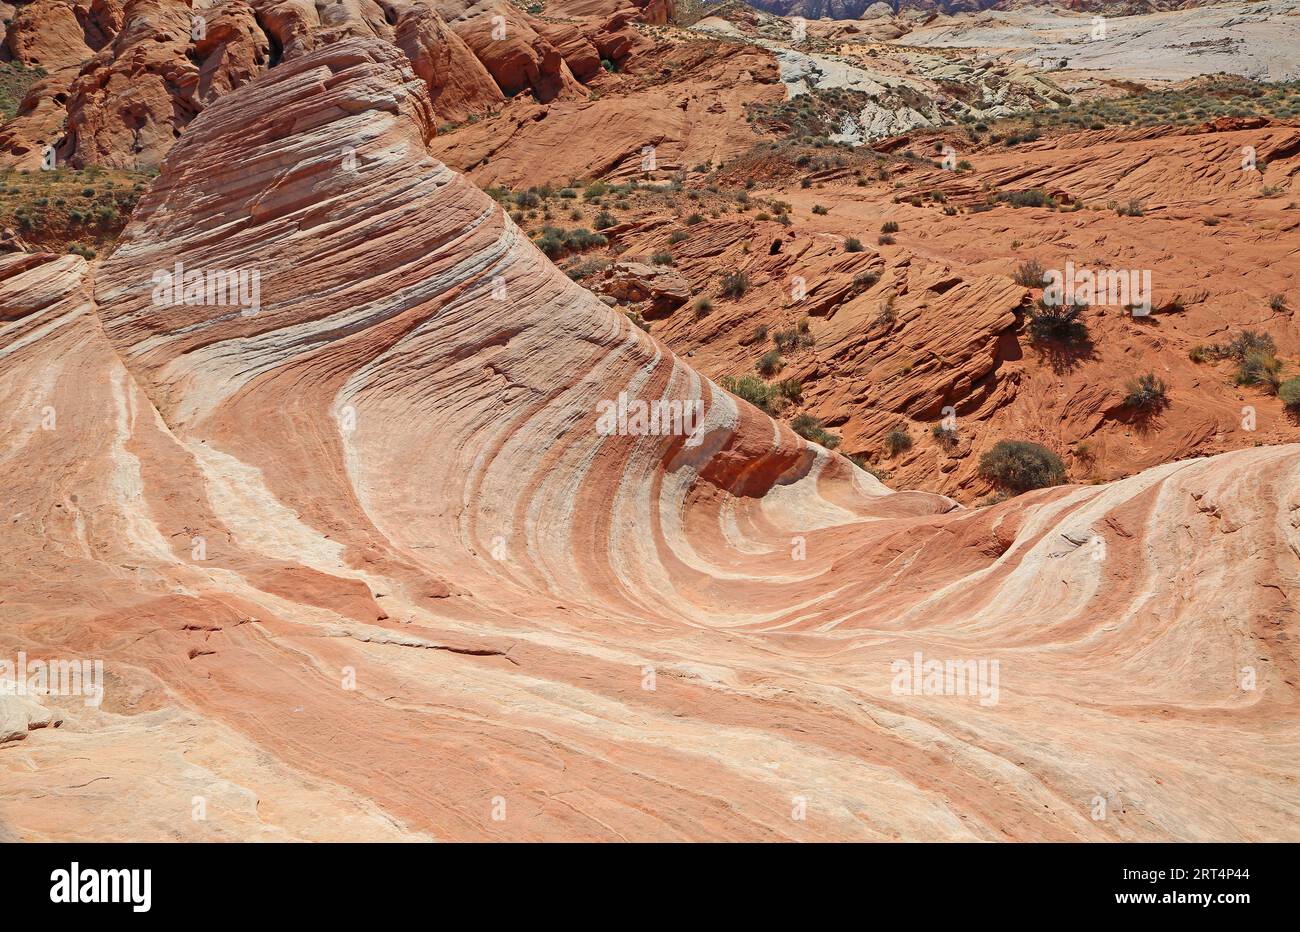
column 1019, row 466
column 810, row 428
column 1030, row 273
column 770, row 363
column 898, row 440
column 1058, row 323
column 757, row 392
column 735, row 284
column 1289, row 392
column 1033, row 197
column 947, row 436
column 1146, row 393
column 1261, row 369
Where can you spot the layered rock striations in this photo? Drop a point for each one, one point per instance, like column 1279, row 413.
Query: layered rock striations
column 360, row 562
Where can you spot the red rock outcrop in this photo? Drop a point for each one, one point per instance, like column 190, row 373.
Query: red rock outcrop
column 125, row 78
column 687, row 101
column 518, row 57
column 934, row 320
column 360, row 563
column 459, row 85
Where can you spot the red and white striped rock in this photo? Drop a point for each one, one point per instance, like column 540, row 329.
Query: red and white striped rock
column 360, row 566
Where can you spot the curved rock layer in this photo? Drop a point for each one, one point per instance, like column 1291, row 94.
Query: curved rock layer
column 359, row 563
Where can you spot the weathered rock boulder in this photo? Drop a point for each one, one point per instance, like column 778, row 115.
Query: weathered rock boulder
column 655, row 291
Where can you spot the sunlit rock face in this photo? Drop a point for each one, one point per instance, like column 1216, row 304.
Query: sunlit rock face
column 314, row 464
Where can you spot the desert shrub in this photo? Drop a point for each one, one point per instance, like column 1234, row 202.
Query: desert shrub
column 864, row 280
column 703, row 307
column 556, row 242
column 898, row 440
column 819, row 209
column 694, row 219
column 1030, row 273
column 586, row 268
column 889, row 226
column 794, row 337
column 1132, row 209
column 1262, row 369
column 770, row 363
column 808, row 427
column 604, row 220
column 678, row 236
column 596, row 189
column 1019, row 465
column 1033, row 197
column 1058, row 323
column 853, row 244
column 1289, row 392
column 1249, row 341
column 947, row 436
column 735, row 284
column 757, row 392
column 1146, row 393
column 1277, row 302
column 885, row 239
column 662, row 258
column 582, row 238
column 551, row 243
column 887, row 316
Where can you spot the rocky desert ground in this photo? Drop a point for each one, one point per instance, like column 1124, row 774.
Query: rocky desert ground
column 651, row 421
